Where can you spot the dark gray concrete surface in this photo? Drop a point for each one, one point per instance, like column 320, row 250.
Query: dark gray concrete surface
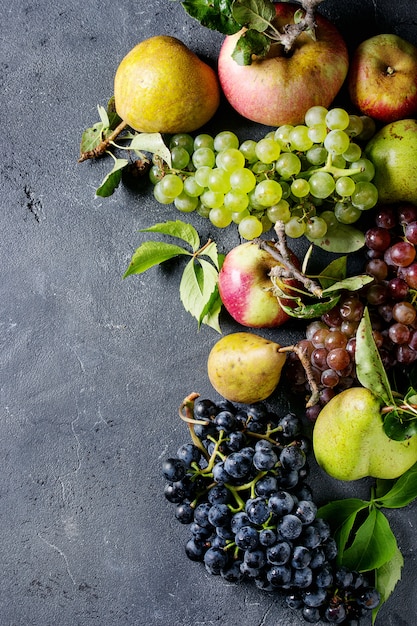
column 93, row 368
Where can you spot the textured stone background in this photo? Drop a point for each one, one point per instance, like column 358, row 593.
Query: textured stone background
column 93, row 368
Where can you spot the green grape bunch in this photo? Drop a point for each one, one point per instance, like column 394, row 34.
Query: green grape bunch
column 312, row 176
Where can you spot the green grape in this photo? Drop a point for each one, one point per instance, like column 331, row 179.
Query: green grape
column 317, row 133
column 218, row 180
column 203, row 156
column 250, row 227
column 288, row 164
column 329, row 217
column 353, row 153
column 230, row 159
column 243, row 179
column 155, row 174
column 345, row 186
column 337, row 119
column 299, row 138
column 268, row 192
column 220, row 217
column 248, row 149
column 212, row 199
column 171, row 185
column 355, row 126
column 267, row 150
column 322, row 184
column 338, row 161
column 336, row 141
column 180, row 158
column 236, row 201
column 192, row 188
column 317, row 155
column 279, row 212
column 316, row 227
column 346, row 213
column 315, row 115
column 365, row 196
column 238, row 216
column 224, row 140
column 261, row 168
column 282, row 135
column 182, row 140
column 202, row 175
column 185, row 203
column 253, row 202
column 300, row 188
column 294, row 228
column 203, row 211
column 160, row 196
column 367, row 170
column 203, row 140
column 266, row 223
column 369, row 128
column 286, row 189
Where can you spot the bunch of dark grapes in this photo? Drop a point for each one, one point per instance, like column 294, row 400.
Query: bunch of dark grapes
column 390, row 250
column 240, row 485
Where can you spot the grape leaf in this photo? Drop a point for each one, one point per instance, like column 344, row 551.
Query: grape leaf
column 177, row 228
column 402, row 492
column 211, row 311
column 211, row 252
column 255, row 14
column 213, row 14
column 152, row 253
column 198, row 282
column 151, row 142
column 373, row 546
column 341, row 238
column 249, row 44
column 386, row 578
column 112, row 180
column 369, row 368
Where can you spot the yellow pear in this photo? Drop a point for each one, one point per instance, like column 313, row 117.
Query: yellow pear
column 349, row 441
column 245, row 368
column 162, row 86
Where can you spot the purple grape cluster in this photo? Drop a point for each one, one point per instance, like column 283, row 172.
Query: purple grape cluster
column 240, row 485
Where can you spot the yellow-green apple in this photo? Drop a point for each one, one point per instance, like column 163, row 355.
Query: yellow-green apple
column 246, row 289
column 382, row 78
column 279, row 88
column 393, row 151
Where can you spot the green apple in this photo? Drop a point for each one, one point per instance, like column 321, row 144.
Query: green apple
column 349, row 441
column 393, row 151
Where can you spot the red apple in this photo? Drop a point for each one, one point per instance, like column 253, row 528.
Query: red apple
column 382, row 79
column 281, row 87
column 245, row 287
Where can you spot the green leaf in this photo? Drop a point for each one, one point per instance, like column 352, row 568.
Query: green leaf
column 255, row 14
column 249, row 44
column 335, row 270
column 352, row 283
column 211, row 312
column 387, row 577
column 198, row 282
column 91, row 137
column 341, row 238
column 211, row 252
column 152, row 253
column 114, row 118
column 177, row 228
column 398, row 427
column 369, row 368
column 151, row 142
column 338, row 511
column 374, row 544
column 103, row 116
column 213, row 14
column 309, row 311
column 402, row 492
column 112, row 180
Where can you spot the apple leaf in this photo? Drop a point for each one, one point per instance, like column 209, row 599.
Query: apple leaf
column 213, row 14
column 151, row 253
column 387, row 577
column 341, row 238
column 181, row 230
column 254, row 14
column 369, row 368
column 112, row 180
column 249, row 44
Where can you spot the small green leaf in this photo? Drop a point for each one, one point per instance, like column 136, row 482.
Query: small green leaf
column 177, row 228
column 255, row 14
column 151, row 142
column 369, row 368
column 249, row 44
column 112, row 180
column 211, row 312
column 198, row 282
column 103, row 116
column 402, row 492
column 211, row 252
column 374, row 544
column 152, row 253
column 352, row 283
column 341, row 238
column 337, row 511
column 387, row 577
column 398, row 427
column 213, row 14
column 334, row 271
column 309, row 311
column 91, row 137
column 114, row 118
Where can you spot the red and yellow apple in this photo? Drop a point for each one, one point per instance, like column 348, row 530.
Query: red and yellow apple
column 246, row 289
column 280, row 88
column 382, row 78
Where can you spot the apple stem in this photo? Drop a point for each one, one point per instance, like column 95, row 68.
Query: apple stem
column 308, row 368
column 290, row 32
column 103, row 145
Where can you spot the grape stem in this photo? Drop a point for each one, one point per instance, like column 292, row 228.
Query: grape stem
column 308, row 369
column 101, row 148
column 336, row 172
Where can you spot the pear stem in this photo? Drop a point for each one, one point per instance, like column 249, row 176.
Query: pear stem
column 101, row 148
